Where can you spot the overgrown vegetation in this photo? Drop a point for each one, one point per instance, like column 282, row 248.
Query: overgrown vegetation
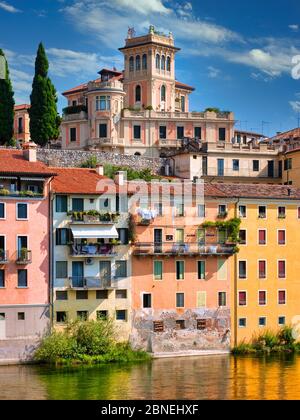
column 270, row 342
column 231, row 226
column 88, row 342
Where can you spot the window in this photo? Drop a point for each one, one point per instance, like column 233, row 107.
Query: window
column 138, row 93
column 144, row 62
column 22, row 211
column 102, row 315
column 242, row 269
column 162, row 132
column 147, row 300
column 73, row 134
column 104, row 204
column 220, row 167
column 202, row 324
column 121, row 315
column 182, row 100
column 262, row 237
column 21, row 316
column 102, row 103
column 163, row 62
column 298, row 212
column 256, row 166
column 201, row 270
column 222, row 299
column 179, row 300
column 281, row 269
column 78, row 204
column 222, row 235
column 137, row 132
column 222, row 269
column 61, row 317
column 121, row 294
column 163, row 93
column 262, row 298
column 242, row 212
column 242, row 322
column 131, row 64
column 82, row 315
column 2, row 278
column 74, row 103
column 281, row 213
column 22, row 278
column 2, row 211
column 137, row 63
column 157, row 61
column 201, row 210
column 180, row 324
column 102, row 131
column 281, row 297
column 201, row 236
column 158, row 326
column 222, row 134
column 20, row 125
column 179, row 210
column 121, row 269
column 63, row 236
column 281, row 321
column 61, row 202
column 222, row 210
column 123, row 236
column 242, row 298
column 288, row 164
column 262, row 268
column 61, row 269
column 243, row 237
column 262, row 212
column 262, row 321
column 198, row 132
column 201, row 299
column 158, row 207
column 102, row 294
column 168, row 63
column 281, row 237
column 179, row 270
column 158, row 270
column 82, row 295
column 235, row 165
column 180, row 133
column 62, row 295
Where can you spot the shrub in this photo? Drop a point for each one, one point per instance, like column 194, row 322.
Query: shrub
column 56, row 346
column 91, row 162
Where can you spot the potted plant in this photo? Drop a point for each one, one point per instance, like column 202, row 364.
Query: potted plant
column 24, row 254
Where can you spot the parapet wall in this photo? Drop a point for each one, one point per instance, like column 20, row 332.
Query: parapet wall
column 75, row 158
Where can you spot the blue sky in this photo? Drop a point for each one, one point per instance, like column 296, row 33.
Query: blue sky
column 237, row 54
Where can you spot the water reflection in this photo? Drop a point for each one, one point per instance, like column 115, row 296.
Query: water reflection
column 220, row 377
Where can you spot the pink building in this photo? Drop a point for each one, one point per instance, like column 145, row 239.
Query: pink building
column 24, row 251
column 142, row 110
column 21, row 123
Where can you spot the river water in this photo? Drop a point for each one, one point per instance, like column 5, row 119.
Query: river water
column 218, row 377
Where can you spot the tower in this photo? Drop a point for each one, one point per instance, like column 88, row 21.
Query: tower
column 149, row 78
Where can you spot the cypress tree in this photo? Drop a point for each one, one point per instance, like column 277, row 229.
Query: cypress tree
column 44, row 119
column 6, row 107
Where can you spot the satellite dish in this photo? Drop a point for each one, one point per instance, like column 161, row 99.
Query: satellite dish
column 2, row 67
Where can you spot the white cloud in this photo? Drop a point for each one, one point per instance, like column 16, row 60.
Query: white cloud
column 294, row 28
column 295, row 105
column 8, row 7
column 144, row 6
column 213, row 72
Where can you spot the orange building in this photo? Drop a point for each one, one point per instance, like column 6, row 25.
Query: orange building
column 21, row 123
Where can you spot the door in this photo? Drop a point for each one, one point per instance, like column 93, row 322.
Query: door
column 77, row 274
column 271, row 169
column 220, row 167
column 180, row 236
column 158, row 241
column 105, row 273
column 2, row 326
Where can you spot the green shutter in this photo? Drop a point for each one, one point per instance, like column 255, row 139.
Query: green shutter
column 201, row 299
column 180, row 270
column 222, row 269
column 201, row 270
column 158, row 270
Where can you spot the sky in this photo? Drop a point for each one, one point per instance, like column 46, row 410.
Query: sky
column 241, row 56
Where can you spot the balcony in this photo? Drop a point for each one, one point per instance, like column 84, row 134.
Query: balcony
column 187, row 249
column 75, row 113
column 170, row 144
column 109, row 85
column 90, row 283
column 3, row 257
column 103, row 142
column 93, row 218
column 128, row 113
column 93, row 250
column 24, row 257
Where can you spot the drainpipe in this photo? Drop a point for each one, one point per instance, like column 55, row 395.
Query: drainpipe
column 235, row 288
column 51, row 259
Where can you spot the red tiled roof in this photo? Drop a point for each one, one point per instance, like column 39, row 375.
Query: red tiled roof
column 118, row 76
column 291, row 134
column 184, row 86
column 13, row 162
column 76, row 89
column 21, row 107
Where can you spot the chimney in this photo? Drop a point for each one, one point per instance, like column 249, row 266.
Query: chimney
column 100, row 170
column 121, row 178
column 29, row 151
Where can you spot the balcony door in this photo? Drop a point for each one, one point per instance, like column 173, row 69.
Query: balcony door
column 77, row 274
column 271, row 169
column 105, row 273
column 22, row 243
column 220, row 167
column 158, row 235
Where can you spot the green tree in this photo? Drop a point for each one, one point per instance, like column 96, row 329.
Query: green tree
column 6, row 107
column 44, row 119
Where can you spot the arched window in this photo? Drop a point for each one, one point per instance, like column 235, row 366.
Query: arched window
column 163, row 62
column 131, row 64
column 163, row 93
column 144, row 60
column 157, row 61
column 168, row 63
column 137, row 154
column 138, row 94
column 138, row 63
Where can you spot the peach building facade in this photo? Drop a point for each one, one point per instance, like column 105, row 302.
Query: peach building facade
column 21, row 123
column 142, row 110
